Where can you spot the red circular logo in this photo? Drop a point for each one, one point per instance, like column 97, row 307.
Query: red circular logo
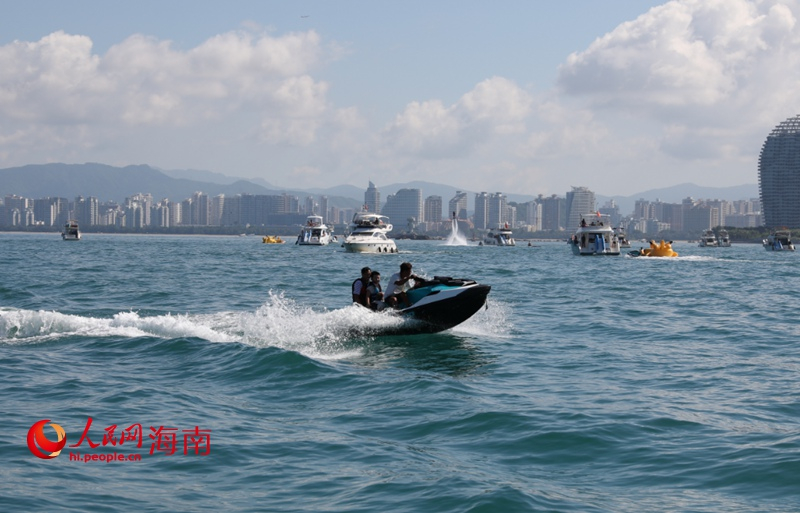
column 37, row 439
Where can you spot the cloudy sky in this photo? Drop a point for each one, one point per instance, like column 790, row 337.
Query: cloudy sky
column 522, row 96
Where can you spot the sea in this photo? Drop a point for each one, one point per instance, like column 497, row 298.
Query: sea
column 218, row 373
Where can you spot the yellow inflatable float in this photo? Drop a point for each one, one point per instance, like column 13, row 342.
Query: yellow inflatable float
column 272, row 239
column 656, row 250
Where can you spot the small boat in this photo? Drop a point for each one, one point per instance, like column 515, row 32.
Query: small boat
column 708, row 239
column 439, row 304
column 723, row 239
column 595, row 236
column 71, row 231
column 780, row 240
column 315, row 233
column 368, row 234
column 622, row 237
column 272, row 239
column 664, row 249
column 501, row 236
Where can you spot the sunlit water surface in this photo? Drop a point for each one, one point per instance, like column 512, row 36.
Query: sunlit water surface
column 612, row 384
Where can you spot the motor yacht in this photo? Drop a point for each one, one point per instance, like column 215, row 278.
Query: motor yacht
column 368, row 234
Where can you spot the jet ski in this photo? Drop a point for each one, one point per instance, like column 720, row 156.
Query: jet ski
column 440, row 304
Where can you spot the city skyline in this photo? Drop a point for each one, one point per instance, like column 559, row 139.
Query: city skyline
column 623, row 95
column 406, row 207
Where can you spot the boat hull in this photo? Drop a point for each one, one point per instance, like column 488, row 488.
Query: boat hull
column 369, row 247
column 442, row 309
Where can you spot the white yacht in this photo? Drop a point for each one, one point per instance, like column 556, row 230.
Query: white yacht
column 595, row 236
column 71, row 231
column 723, row 239
column 622, row 237
column 708, row 239
column 315, row 233
column 501, row 236
column 368, row 234
column 780, row 240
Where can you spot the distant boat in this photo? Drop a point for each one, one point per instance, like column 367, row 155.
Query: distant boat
column 595, row 236
column 708, row 239
column 315, row 233
column 780, row 240
column 501, row 236
column 723, row 239
column 368, row 234
column 622, row 237
column 71, row 231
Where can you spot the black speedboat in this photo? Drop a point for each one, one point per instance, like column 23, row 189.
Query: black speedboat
column 441, row 303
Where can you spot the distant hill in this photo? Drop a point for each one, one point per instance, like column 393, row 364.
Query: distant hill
column 678, row 193
column 116, row 183
column 109, row 183
column 202, row 175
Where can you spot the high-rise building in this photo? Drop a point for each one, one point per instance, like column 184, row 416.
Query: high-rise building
column 554, row 212
column 201, row 208
column 432, row 213
column 481, row 218
column 531, row 213
column 580, row 201
column 86, row 211
column 400, row 208
column 51, row 211
column 700, row 217
column 312, row 207
column 458, row 205
column 497, row 211
column 372, row 198
column 145, row 201
column 217, row 206
column 323, row 209
column 779, row 175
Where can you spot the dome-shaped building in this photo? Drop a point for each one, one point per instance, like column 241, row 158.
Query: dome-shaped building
column 779, row 175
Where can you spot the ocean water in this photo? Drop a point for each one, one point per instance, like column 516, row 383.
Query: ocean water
column 611, row 384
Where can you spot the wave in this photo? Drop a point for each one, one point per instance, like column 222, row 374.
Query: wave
column 280, row 322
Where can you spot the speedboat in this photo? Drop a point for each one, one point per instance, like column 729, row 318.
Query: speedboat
column 501, row 236
column 71, row 231
column 440, row 304
column 723, row 239
column 595, row 236
column 314, row 233
column 272, row 239
column 780, row 240
column 708, row 239
column 368, row 234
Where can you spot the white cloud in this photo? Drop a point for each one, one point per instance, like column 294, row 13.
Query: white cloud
column 144, row 81
column 687, row 86
column 683, row 55
column 430, row 129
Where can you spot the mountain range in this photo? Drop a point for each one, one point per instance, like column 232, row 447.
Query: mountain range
column 116, row 183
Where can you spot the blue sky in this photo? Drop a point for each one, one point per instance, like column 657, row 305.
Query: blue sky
column 524, row 97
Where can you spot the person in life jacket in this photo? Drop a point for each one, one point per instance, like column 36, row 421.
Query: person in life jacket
column 359, row 288
column 375, row 291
